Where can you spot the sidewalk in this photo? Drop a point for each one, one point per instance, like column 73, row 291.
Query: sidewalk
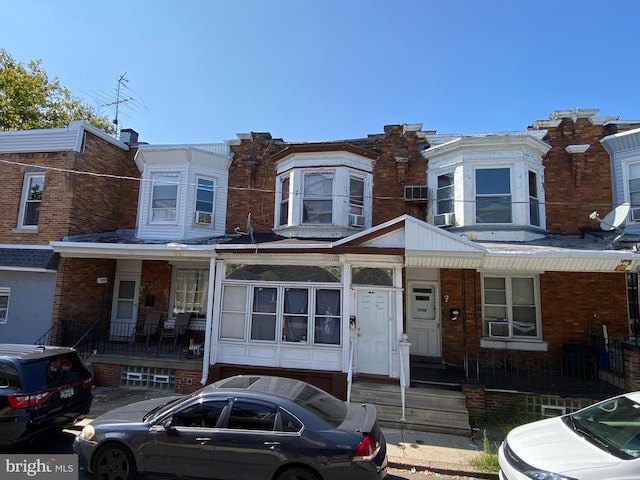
column 406, row 449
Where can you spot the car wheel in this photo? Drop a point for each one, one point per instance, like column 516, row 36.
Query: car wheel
column 114, row 462
column 297, row 473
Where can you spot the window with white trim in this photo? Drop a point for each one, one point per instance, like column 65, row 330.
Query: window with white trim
column 32, row 190
column 317, row 201
column 4, row 303
column 205, row 195
column 356, row 195
column 285, row 183
column 164, row 197
column 493, row 195
column 445, row 194
column 510, row 306
column 190, row 287
column 534, row 199
column 634, row 190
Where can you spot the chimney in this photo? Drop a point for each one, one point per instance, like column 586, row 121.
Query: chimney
column 128, row 136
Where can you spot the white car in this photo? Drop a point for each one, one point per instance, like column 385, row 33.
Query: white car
column 599, row 442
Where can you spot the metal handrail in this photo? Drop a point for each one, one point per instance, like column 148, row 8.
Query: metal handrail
column 44, row 338
column 350, row 370
column 403, row 380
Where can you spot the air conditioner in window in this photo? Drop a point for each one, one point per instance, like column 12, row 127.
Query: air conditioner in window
column 203, row 218
column 415, row 193
column 356, row 220
column 499, row 330
column 444, row 219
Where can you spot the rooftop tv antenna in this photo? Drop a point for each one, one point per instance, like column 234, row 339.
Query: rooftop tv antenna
column 613, row 221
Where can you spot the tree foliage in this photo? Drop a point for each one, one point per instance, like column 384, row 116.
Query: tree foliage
column 28, row 99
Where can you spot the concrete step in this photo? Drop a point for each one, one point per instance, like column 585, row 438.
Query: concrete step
column 436, row 410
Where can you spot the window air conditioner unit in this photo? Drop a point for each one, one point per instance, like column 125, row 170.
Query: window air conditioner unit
column 415, row 193
column 203, row 218
column 444, row 219
column 356, row 220
column 499, row 330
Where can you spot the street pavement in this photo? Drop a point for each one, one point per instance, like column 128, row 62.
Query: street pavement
column 406, row 449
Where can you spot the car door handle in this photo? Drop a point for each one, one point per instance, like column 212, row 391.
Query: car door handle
column 203, row 439
column 272, row 445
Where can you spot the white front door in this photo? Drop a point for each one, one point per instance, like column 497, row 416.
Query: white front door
column 372, row 332
column 423, row 323
column 125, row 307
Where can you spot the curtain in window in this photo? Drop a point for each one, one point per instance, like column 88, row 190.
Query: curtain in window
column 327, row 318
column 191, row 291
column 296, row 311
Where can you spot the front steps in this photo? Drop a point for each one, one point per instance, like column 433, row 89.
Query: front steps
column 433, row 409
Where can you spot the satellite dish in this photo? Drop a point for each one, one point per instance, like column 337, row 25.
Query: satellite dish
column 615, row 218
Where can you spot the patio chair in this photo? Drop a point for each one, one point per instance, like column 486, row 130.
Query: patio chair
column 180, row 327
column 149, row 328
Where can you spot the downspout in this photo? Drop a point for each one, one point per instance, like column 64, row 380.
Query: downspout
column 208, row 322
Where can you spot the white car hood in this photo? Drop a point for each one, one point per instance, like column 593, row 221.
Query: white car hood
column 553, row 446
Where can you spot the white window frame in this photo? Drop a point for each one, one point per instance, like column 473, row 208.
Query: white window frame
column 5, row 292
column 199, row 213
column 495, row 195
column 635, row 206
column 185, row 304
column 509, row 306
column 319, row 197
column 284, row 194
column 29, row 179
column 446, row 194
column 233, row 314
column 534, row 198
column 168, row 179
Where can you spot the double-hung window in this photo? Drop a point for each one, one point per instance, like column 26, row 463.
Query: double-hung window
column 205, row 192
column 445, row 194
column 164, row 197
column 190, row 286
column 634, row 190
column 493, row 195
column 32, row 190
column 285, row 183
column 534, row 199
column 356, row 195
column 510, row 306
column 317, row 203
column 4, row 304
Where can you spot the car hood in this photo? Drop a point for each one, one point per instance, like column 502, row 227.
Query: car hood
column 553, row 446
column 134, row 412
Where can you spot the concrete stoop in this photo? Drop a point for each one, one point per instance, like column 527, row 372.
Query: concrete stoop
column 427, row 409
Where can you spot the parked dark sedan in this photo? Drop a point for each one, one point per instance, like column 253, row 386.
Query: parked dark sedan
column 243, row 427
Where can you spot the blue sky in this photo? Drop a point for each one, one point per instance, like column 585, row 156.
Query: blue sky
column 202, row 71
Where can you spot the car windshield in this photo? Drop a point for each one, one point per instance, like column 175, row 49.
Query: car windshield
column 53, row 371
column 159, row 411
column 613, row 425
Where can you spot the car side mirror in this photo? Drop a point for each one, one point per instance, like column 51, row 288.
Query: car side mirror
column 168, row 424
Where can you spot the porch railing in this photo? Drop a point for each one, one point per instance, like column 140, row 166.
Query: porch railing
column 350, row 369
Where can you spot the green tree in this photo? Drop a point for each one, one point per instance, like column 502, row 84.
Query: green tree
column 28, row 99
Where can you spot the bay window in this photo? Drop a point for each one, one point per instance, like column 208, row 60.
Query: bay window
column 445, row 194
column 534, row 199
column 205, row 194
column 634, row 190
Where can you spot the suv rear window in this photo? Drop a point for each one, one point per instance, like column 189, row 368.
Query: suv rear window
column 9, row 376
column 49, row 372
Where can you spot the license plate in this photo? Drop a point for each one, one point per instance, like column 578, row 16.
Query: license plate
column 67, row 392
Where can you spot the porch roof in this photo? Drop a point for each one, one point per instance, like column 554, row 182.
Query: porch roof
column 422, row 244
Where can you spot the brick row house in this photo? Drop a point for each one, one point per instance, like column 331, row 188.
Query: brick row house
column 42, row 202
column 406, row 252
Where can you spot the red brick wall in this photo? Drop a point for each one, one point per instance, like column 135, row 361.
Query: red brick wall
column 155, row 281
column 574, row 306
column 72, row 203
